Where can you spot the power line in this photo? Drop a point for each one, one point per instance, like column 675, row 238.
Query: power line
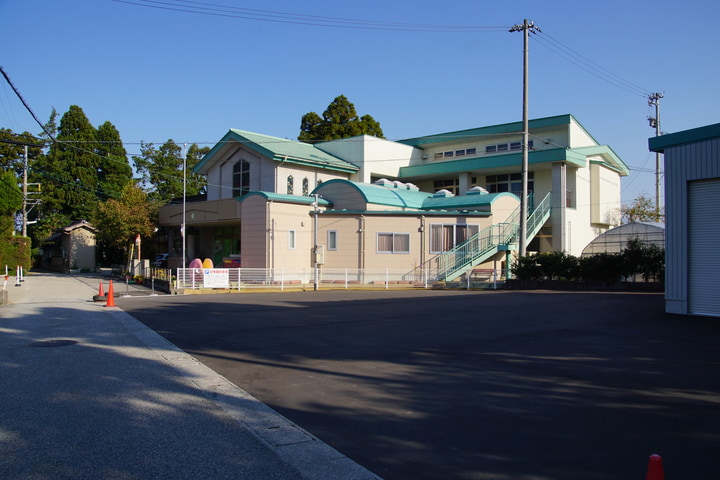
column 218, row 10
column 27, row 107
column 588, row 65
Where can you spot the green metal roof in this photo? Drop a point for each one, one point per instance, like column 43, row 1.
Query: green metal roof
column 486, row 162
column 463, row 202
column 280, row 150
column 279, row 197
column 414, row 199
column 514, row 127
column 708, row 132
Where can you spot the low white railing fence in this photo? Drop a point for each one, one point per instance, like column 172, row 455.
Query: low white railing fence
column 305, row 278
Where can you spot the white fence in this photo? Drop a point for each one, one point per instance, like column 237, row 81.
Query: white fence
column 313, row 279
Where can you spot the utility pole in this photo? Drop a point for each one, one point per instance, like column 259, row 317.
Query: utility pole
column 25, row 193
column 654, row 101
column 526, row 28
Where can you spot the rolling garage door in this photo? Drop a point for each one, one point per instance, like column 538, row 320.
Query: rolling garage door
column 704, row 252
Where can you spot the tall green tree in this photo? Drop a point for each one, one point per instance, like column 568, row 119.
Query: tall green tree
column 12, row 151
column 113, row 167
column 161, row 170
column 339, row 120
column 68, row 172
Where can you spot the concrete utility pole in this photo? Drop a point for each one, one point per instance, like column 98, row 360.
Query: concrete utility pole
column 654, row 101
column 526, row 28
column 25, row 193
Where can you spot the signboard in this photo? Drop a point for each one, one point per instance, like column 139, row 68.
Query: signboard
column 216, row 278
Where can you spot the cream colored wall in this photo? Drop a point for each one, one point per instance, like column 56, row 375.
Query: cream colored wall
column 605, row 196
column 81, row 249
column 285, row 217
column 349, row 240
column 392, row 224
column 299, row 173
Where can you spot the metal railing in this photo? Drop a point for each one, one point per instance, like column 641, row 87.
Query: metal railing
column 239, row 279
column 486, row 243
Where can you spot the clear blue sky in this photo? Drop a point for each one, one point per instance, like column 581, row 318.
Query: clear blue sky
column 161, row 73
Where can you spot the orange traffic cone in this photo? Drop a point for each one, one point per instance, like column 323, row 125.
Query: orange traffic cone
column 110, row 296
column 100, row 297
column 655, row 468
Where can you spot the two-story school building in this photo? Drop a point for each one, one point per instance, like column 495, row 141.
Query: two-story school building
column 368, row 202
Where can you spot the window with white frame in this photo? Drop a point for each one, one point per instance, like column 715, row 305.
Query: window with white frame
column 305, row 187
column 290, row 185
column 445, row 236
column 291, row 240
column 332, row 239
column 393, row 243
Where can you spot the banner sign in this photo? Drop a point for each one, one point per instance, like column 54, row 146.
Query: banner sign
column 216, row 278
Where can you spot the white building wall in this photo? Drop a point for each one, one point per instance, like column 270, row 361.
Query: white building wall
column 374, row 156
column 579, row 137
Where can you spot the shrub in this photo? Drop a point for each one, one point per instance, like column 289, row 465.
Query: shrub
column 637, row 258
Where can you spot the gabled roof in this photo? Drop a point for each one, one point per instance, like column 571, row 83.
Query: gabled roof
column 278, row 149
column 69, row 229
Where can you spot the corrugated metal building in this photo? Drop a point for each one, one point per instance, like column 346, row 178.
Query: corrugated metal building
column 692, row 203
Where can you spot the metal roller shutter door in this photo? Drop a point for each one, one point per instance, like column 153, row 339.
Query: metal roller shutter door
column 704, row 248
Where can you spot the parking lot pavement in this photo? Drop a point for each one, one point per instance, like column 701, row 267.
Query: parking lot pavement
column 508, row 385
column 88, row 392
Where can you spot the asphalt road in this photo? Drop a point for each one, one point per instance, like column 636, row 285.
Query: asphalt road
column 470, row 385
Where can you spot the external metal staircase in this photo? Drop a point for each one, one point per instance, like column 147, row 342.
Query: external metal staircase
column 449, row 265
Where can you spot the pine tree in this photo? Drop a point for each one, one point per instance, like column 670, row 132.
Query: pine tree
column 69, row 172
column 114, row 171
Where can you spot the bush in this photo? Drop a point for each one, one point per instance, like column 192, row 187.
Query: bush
column 546, row 266
column 15, row 251
column 637, row 258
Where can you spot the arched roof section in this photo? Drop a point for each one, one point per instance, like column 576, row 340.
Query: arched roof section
column 616, row 239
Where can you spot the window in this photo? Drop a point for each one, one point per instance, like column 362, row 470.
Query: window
column 452, row 185
column 444, row 237
column 509, row 182
column 290, row 185
column 504, row 147
column 455, row 153
column 393, row 243
column 241, row 178
column 332, row 239
column 306, row 187
column 291, row 239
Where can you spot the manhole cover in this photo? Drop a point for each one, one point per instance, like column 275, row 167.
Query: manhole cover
column 53, row 343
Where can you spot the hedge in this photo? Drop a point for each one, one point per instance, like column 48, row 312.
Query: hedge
column 15, row 251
